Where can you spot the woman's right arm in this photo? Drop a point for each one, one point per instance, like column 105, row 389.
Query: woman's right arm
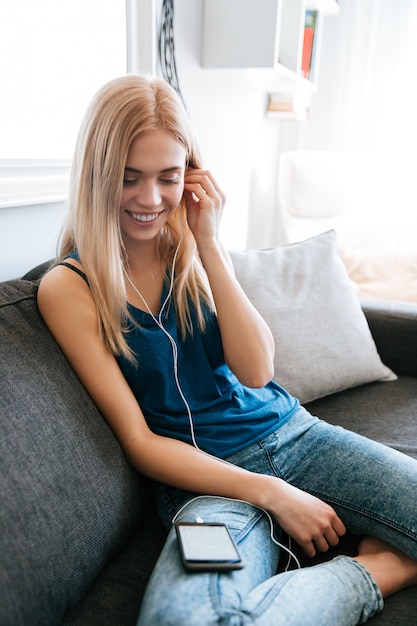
column 68, row 309
column 66, row 305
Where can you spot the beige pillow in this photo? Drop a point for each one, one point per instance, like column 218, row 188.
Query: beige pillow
column 388, row 275
column 322, row 340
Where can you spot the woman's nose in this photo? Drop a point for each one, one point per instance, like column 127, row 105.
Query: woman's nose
column 148, row 194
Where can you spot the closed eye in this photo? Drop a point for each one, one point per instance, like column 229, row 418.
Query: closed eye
column 170, row 181
column 170, row 176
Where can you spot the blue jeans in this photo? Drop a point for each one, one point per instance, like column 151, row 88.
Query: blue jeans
column 372, row 488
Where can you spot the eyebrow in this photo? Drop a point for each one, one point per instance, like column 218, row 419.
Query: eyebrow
column 164, row 171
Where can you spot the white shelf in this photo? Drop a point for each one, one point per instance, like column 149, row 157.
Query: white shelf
column 240, row 33
column 261, row 34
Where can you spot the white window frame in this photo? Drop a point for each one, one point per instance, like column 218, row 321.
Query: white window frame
column 33, row 181
column 41, row 181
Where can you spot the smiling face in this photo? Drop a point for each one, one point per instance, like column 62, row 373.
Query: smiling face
column 153, row 185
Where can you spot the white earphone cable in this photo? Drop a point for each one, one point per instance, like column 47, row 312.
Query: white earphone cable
column 268, row 515
column 158, row 321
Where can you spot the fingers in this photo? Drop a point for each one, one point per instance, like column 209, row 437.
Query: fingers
column 313, row 524
column 204, row 201
column 202, row 183
column 320, row 544
column 326, row 536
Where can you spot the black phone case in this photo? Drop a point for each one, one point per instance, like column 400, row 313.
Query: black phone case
column 212, row 564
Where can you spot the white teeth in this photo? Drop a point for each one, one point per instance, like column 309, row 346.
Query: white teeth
column 144, row 218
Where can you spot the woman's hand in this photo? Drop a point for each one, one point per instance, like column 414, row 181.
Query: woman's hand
column 247, row 341
column 204, row 201
column 312, row 523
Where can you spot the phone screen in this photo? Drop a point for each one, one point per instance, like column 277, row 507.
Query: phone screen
column 207, row 546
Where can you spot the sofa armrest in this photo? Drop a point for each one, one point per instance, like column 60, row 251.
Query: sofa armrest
column 37, row 272
column 393, row 326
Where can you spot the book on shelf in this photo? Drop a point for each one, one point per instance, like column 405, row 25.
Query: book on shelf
column 289, row 106
column 308, row 44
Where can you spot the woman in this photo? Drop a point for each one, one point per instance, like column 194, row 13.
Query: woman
column 146, row 308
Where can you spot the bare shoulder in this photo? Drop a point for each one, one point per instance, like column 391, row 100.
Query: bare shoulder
column 62, row 276
column 61, row 280
column 64, row 297
column 69, row 311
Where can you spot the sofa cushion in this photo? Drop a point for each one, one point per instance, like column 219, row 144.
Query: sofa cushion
column 384, row 413
column 68, row 496
column 115, row 597
column 323, row 342
column 394, row 328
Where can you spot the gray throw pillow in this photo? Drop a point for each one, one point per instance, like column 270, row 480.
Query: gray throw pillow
column 322, row 340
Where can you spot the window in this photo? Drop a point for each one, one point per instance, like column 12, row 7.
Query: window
column 55, row 54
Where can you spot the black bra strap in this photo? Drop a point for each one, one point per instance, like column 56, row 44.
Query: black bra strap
column 75, row 269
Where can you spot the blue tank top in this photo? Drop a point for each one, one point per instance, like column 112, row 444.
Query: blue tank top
column 226, row 415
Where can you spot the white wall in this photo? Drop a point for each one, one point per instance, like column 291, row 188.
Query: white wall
column 28, row 237
column 239, row 145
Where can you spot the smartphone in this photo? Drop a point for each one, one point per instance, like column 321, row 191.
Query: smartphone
column 207, row 547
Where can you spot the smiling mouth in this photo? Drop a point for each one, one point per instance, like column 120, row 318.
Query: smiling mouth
column 141, row 217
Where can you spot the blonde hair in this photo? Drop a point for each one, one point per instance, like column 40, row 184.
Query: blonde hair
column 123, row 109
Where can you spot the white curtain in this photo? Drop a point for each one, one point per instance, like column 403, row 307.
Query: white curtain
column 366, row 103
column 367, row 95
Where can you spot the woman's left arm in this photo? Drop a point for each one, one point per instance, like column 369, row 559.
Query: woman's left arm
column 247, row 340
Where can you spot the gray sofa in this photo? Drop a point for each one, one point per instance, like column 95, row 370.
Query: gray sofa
column 79, row 535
